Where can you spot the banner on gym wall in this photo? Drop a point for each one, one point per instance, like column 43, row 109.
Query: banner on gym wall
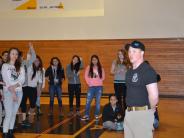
column 51, row 8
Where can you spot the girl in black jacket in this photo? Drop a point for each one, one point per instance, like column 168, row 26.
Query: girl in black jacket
column 112, row 115
column 55, row 75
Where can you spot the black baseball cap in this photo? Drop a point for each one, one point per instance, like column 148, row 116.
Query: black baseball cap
column 137, row 44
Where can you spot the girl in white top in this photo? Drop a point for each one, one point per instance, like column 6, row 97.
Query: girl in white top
column 13, row 75
column 41, row 82
column 30, row 92
column 29, row 86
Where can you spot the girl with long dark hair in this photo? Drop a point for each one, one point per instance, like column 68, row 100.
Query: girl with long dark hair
column 94, row 76
column 41, row 82
column 74, row 84
column 30, row 88
column 13, row 75
column 55, row 75
column 112, row 115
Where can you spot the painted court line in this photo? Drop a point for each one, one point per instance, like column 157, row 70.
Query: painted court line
column 85, row 127
column 58, row 124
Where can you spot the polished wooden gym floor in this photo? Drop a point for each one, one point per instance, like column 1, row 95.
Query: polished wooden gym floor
column 171, row 112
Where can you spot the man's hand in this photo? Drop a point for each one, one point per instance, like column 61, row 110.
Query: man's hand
column 153, row 94
column 15, row 99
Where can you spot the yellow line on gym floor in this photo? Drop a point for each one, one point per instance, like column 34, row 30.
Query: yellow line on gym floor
column 59, row 124
column 84, row 128
column 30, row 135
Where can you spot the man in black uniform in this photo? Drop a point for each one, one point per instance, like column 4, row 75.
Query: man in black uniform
column 142, row 94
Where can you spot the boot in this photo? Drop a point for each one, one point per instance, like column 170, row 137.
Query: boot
column 23, row 116
column 11, row 133
column 26, row 123
column 70, row 114
column 39, row 112
column 31, row 115
column 20, row 118
column 5, row 135
column 31, row 118
column 78, row 113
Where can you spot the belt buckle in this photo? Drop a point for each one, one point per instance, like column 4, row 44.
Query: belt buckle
column 131, row 108
column 128, row 109
column 141, row 108
column 134, row 108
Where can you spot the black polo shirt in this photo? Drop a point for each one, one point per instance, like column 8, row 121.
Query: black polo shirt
column 136, row 81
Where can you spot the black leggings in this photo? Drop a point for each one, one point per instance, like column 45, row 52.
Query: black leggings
column 120, row 92
column 74, row 89
column 31, row 93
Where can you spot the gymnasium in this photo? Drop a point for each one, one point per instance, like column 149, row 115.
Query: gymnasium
column 64, row 30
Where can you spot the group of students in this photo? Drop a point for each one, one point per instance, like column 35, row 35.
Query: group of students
column 24, row 79
column 20, row 80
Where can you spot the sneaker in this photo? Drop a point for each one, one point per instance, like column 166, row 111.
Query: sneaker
column 78, row 113
column 39, row 112
column 50, row 114
column 25, row 123
column 10, row 133
column 85, row 118
column 70, row 114
column 119, row 126
column 61, row 114
column 96, row 118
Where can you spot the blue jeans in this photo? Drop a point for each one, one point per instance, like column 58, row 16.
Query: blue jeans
column 95, row 91
column 11, row 108
column 156, row 123
column 113, row 125
column 55, row 89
